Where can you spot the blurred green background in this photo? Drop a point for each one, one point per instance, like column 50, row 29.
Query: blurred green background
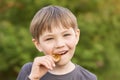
column 98, row 49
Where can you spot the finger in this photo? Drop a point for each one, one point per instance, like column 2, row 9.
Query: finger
column 45, row 61
column 51, row 60
column 47, row 64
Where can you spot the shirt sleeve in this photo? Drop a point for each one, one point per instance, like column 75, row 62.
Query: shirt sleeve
column 25, row 71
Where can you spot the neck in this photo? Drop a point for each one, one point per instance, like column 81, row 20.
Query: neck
column 64, row 69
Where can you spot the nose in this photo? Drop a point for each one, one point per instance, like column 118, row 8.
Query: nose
column 60, row 43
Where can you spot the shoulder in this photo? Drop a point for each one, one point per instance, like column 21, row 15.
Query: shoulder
column 25, row 71
column 27, row 67
column 85, row 74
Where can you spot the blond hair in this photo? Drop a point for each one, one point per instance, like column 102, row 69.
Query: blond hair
column 50, row 17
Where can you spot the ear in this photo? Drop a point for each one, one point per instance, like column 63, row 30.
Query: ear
column 77, row 35
column 37, row 44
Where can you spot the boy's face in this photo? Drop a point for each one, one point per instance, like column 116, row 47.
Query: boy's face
column 59, row 41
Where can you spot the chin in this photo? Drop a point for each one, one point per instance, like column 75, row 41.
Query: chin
column 62, row 63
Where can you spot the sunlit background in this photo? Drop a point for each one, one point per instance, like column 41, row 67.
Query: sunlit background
column 98, row 49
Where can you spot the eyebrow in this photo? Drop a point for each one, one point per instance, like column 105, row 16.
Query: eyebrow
column 51, row 34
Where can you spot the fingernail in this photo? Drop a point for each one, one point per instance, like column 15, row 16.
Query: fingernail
column 54, row 65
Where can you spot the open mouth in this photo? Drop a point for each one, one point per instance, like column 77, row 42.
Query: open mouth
column 63, row 53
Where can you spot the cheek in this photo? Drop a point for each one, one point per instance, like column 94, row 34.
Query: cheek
column 47, row 49
column 71, row 43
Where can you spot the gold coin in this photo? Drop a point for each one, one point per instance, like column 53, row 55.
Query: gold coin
column 56, row 57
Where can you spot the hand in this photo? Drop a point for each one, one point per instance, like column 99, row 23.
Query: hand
column 40, row 66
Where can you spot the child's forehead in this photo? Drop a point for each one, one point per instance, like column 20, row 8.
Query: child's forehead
column 55, row 28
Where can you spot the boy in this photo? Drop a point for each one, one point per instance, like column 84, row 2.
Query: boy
column 55, row 33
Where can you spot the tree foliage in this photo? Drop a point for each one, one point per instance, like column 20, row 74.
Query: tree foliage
column 98, row 48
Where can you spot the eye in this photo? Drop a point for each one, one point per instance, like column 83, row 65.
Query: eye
column 67, row 34
column 47, row 39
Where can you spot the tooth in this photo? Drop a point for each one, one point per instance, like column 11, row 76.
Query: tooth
column 56, row 57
